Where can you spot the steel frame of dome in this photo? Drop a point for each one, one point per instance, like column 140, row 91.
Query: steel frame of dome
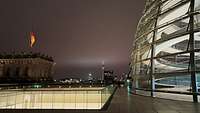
column 167, row 44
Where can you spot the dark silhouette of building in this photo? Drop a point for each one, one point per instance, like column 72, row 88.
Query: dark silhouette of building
column 25, row 67
column 108, row 76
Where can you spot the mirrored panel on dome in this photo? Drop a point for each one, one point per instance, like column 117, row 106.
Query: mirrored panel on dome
column 172, row 29
column 136, row 55
column 146, row 39
column 197, row 65
column 197, row 40
column 197, row 53
column 143, row 68
column 137, row 68
column 142, row 78
column 144, row 29
column 197, row 5
column 145, row 53
column 168, row 4
column 172, row 46
column 197, row 61
column 172, row 63
column 178, row 83
column 142, row 85
column 175, row 86
column 173, row 14
column 196, row 21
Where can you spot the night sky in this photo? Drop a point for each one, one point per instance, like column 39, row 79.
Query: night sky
column 79, row 34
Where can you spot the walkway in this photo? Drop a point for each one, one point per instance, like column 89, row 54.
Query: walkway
column 128, row 103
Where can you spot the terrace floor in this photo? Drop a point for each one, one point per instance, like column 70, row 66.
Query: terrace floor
column 124, row 102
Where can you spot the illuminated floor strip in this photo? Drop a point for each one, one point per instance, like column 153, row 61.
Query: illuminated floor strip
column 67, row 99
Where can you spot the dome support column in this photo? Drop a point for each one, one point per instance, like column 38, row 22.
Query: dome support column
column 152, row 68
column 192, row 53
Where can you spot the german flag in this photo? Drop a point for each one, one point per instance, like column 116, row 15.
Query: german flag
column 32, row 39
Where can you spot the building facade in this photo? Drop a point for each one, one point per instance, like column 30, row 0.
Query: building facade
column 166, row 52
column 25, row 68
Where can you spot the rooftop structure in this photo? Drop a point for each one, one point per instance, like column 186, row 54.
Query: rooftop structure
column 25, row 67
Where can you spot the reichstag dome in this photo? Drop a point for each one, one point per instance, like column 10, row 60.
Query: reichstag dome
column 166, row 54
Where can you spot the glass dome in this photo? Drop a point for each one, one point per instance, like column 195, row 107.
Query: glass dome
column 167, row 48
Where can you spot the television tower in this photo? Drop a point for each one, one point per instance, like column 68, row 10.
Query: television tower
column 102, row 67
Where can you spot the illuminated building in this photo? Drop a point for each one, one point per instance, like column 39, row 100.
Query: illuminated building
column 166, row 53
column 18, row 68
column 55, row 98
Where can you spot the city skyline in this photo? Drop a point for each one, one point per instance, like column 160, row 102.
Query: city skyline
column 78, row 34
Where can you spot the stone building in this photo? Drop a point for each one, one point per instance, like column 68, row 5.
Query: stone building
column 32, row 67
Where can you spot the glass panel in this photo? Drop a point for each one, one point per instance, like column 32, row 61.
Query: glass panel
column 144, row 47
column 145, row 52
column 143, row 68
column 173, row 14
column 172, row 76
column 196, row 21
column 198, row 80
column 175, row 63
column 197, row 60
column 52, row 99
column 137, row 68
column 171, row 46
column 19, row 100
column 27, row 100
column 94, row 99
column 103, row 97
column 37, row 98
column 11, row 100
column 68, row 100
column 197, row 5
column 142, row 78
column 58, row 100
column 174, row 82
column 172, row 29
column 144, row 83
column 47, row 98
column 168, row 4
column 171, row 96
column 144, row 28
column 81, row 100
column 145, row 40
column 197, row 40
column 147, row 22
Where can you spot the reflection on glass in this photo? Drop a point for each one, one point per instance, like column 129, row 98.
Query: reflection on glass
column 168, row 4
column 173, row 14
column 169, row 52
column 197, row 5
